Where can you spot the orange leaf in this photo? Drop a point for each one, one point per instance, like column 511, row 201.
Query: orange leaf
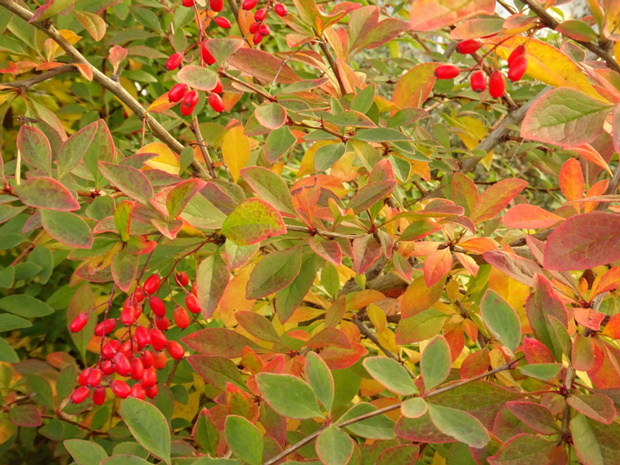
column 525, row 216
column 571, row 180
column 437, row 265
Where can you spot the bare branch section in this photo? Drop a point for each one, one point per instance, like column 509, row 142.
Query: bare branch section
column 160, row 132
column 27, row 83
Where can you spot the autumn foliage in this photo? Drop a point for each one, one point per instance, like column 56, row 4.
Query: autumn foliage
column 295, row 232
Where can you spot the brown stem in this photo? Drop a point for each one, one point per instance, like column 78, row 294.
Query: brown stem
column 304, row 229
column 253, row 88
column 203, row 147
column 334, row 65
column 27, row 83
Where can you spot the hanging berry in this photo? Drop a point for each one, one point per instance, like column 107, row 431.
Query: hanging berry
column 280, row 10
column 517, row 52
column 174, row 61
column 517, row 68
column 189, row 103
column 478, row 81
column 206, row 54
column 216, row 5
column 468, row 46
column 222, row 22
column 447, row 72
column 497, row 84
column 175, row 95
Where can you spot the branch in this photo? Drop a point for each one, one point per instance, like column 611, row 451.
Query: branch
column 27, row 83
column 334, row 65
column 160, row 132
column 552, row 23
column 203, row 147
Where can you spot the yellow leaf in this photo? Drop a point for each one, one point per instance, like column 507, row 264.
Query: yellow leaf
column 235, row 150
column 377, row 317
column 160, row 104
column 307, row 162
column 165, row 159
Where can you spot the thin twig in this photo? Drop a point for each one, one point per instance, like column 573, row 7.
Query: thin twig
column 203, row 147
column 27, row 83
column 334, row 65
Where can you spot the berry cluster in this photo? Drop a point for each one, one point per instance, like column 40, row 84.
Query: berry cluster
column 141, row 350
column 517, row 64
column 259, row 28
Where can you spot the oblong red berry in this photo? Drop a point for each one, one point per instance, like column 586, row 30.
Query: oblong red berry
column 280, row 10
column 175, row 350
column 159, row 360
column 149, row 378
column 249, row 4
column 157, row 306
column 181, row 277
column 138, row 391
column 107, row 367
column 264, row 30
column 468, row 46
column 128, row 315
column 94, row 378
column 216, row 5
column 447, row 72
column 174, row 61
column 120, row 388
column 517, row 68
column 216, row 102
column 83, row 378
column 137, row 368
column 188, row 3
column 189, row 103
column 162, row 323
column 478, row 81
column 254, row 27
column 222, row 22
column 177, row 93
column 258, row 37
column 181, row 317
column 517, row 52
column 206, row 54
column 152, row 283
column 260, row 15
column 79, row 322
column 139, row 295
column 497, row 84
column 80, row 395
column 105, row 327
column 146, row 358
column 192, row 303
column 99, row 395
column 158, row 339
column 143, row 337
column 122, row 365
column 151, row 392
column 110, row 349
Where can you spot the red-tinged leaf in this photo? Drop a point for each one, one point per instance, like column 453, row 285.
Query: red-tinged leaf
column 46, row 193
column 525, row 216
column 101, row 149
column 596, row 406
column 592, row 155
column 536, row 416
column 198, row 78
column 536, row 352
column 329, row 337
column 270, row 187
column 464, row 192
column 565, row 117
column 429, row 15
column 181, row 194
column 501, row 319
column 582, row 355
column 222, row 48
column 258, row 326
column 270, row 115
column 211, row 281
column 612, row 328
column 122, row 218
column 495, row 198
column 306, row 197
column 595, row 443
column 25, row 415
column 589, row 318
column 220, row 342
column 571, row 180
column 467, row 262
column 419, row 297
column 610, row 280
column 334, row 446
column 475, row 28
column 436, row 266
column 263, row 66
column 405, row 454
column 240, row 403
column 605, row 373
column 334, row 314
column 421, row 326
column 124, row 269
column 329, row 250
column 288, row 299
column 402, row 266
column 67, row 228
column 519, row 268
column 459, row 424
column 74, row 148
column 217, row 371
column 383, row 32
column 274, row 272
column 419, row 229
column 93, row 23
column 366, row 251
column 131, row 182
column 616, row 124
column 475, row 364
column 161, row 104
column 370, row 194
column 584, row 241
column 168, row 229
column 253, row 221
column 278, row 142
column 415, row 86
column 435, row 363
column 421, row 429
column 525, row 449
column 35, row 149
column 382, row 171
column 338, row 358
column 116, row 56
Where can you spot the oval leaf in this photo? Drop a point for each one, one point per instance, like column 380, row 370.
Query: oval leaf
column 46, row 193
column 148, row 426
column 252, row 221
column 391, row 374
column 501, row 319
column 288, row 395
column 435, row 362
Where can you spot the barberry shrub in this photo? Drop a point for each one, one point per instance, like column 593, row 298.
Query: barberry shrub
column 309, row 232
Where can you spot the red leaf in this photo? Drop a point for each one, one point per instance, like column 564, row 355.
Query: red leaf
column 219, row 342
column 589, row 318
column 211, row 281
column 524, row 216
column 571, row 180
column 464, row 192
column 329, row 250
column 495, row 198
column 437, row 265
column 536, row 352
column 612, row 328
column 536, row 416
column 46, row 193
column 366, row 251
column 475, row 364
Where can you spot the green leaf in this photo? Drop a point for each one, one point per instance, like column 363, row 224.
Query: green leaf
column 351, row 119
column 320, row 379
column 596, row 406
column 253, row 221
column 131, row 182
column 244, row 440
column 525, row 449
column 85, row 452
column 578, row 30
column 197, row 77
column 380, row 135
column 67, row 228
column 180, row 195
column 376, row 427
column 501, row 319
column 46, row 193
column 93, row 23
column 595, row 443
column 288, row 395
column 370, row 194
column 122, row 218
column 289, row 298
column 206, row 432
column 414, row 407
column 7, row 354
column 211, row 280
column 274, row 272
column 460, row 425
column 222, row 49
column 25, row 305
column 421, row 326
column 11, row 322
column 270, row 187
column 124, row 269
column 327, row 155
column 364, row 99
column 565, row 117
column 25, row 415
column 148, row 426
column 435, row 362
column 73, row 149
column 404, row 454
column 270, row 115
column 124, row 459
column 278, row 142
column 334, row 446
column 35, row 149
column 391, row 374
column 543, row 371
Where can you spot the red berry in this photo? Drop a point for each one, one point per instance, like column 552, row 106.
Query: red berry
column 264, row 30
column 181, row 277
column 478, row 81
column 107, row 367
column 80, row 394
column 181, row 317
column 158, row 339
column 218, row 89
column 447, row 72
column 191, row 301
column 159, row 360
column 152, row 283
column 497, row 84
column 79, row 322
column 216, row 102
column 122, row 365
column 139, row 294
column 110, row 349
column 254, row 27
column 151, row 392
column 249, row 4
column 222, row 22
column 258, row 37
column 83, row 378
column 128, row 315
column 105, row 327
column 149, row 378
column 188, row 3
column 157, row 306
column 175, row 350
column 138, row 391
column 280, row 10
column 127, row 347
column 177, row 93
column 146, row 358
column 517, row 52
column 162, row 323
column 143, row 337
column 94, row 378
column 174, row 61
column 206, row 54
column 99, row 395
column 468, row 46
column 517, row 68
column 137, row 368
column 120, row 388
column 189, row 103
column 216, row 5
column 260, row 15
